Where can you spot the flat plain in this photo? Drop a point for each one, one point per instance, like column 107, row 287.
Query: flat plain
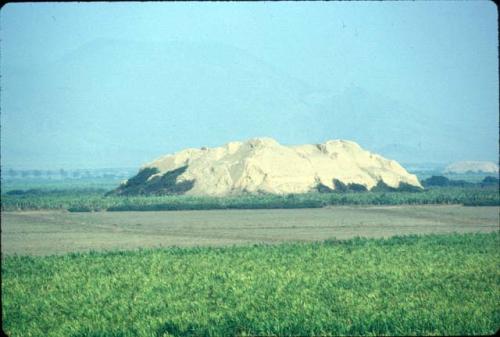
column 58, row 232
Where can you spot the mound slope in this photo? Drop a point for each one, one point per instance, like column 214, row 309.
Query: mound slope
column 262, row 165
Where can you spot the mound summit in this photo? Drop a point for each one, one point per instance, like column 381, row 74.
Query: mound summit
column 262, row 165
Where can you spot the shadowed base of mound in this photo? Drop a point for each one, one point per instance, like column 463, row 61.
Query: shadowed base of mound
column 165, row 184
column 381, row 186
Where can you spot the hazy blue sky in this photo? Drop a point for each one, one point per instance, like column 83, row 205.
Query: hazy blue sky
column 117, row 84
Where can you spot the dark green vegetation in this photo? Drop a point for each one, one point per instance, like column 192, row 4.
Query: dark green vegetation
column 403, row 187
column 340, row 187
column 165, row 184
column 441, row 181
column 95, row 200
column 143, row 184
column 381, row 186
column 414, row 285
column 164, row 193
column 71, row 199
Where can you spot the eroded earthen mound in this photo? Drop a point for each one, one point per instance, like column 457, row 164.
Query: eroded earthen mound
column 262, row 165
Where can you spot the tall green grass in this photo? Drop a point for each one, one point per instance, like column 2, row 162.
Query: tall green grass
column 416, row 285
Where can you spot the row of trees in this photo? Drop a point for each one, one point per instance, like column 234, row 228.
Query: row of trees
column 441, row 181
column 62, row 173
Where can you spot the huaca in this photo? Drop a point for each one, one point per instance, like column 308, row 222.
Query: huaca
column 262, row 165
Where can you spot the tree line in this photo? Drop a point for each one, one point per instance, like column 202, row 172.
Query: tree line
column 60, row 173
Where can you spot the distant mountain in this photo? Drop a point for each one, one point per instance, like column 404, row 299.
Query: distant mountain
column 120, row 102
column 111, row 95
column 390, row 127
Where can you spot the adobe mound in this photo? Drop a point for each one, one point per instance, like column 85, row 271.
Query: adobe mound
column 472, row 166
column 262, row 165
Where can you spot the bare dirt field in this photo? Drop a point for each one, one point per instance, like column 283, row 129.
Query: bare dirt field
column 56, row 232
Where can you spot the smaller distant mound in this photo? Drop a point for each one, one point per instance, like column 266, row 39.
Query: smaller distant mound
column 472, row 167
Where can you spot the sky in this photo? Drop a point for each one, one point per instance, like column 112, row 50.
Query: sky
column 97, row 85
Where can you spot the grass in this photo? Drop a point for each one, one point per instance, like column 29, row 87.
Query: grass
column 414, row 285
column 87, row 195
column 95, row 200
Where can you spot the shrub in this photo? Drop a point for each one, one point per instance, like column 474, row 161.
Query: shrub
column 339, row 186
column 321, row 188
column 167, row 183
column 141, row 177
column 75, row 209
column 16, row 192
column 404, row 187
column 440, row 181
column 436, row 181
column 356, row 187
column 159, row 185
column 383, row 187
column 490, row 181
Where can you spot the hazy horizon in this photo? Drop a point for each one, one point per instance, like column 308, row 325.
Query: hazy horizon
column 96, row 85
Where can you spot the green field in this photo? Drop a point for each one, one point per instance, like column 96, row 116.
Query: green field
column 81, row 200
column 89, row 194
column 262, row 265
column 427, row 285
